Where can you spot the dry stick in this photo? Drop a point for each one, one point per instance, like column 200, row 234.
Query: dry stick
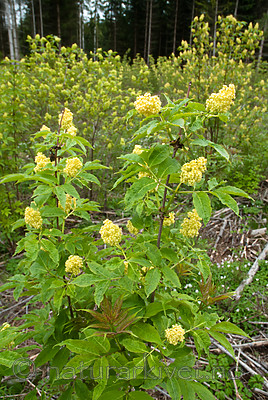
column 16, row 305
column 244, row 365
column 251, row 273
column 260, row 391
column 238, row 397
column 253, row 361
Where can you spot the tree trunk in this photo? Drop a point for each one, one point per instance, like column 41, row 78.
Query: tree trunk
column 33, row 15
column 236, row 8
column 9, row 29
column 146, row 30
column 262, row 40
column 175, row 26
column 149, row 31
column 192, row 18
column 95, row 28
column 14, row 30
column 58, row 19
column 79, row 25
column 41, row 19
column 215, row 28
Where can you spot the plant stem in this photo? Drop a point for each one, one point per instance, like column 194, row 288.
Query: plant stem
column 162, row 214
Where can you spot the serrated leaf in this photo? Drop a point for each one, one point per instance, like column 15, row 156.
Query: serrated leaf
column 222, row 340
column 86, row 346
column 146, row 332
column 171, row 276
column 153, row 253
column 51, row 249
column 101, row 288
column 220, row 149
column 137, row 395
column 234, row 191
column 167, row 167
column 134, row 346
column 48, row 211
column 81, row 390
column 61, row 195
column 68, row 188
column 157, row 155
column 138, row 190
column 228, row 327
column 202, row 205
column 202, row 391
column 86, row 280
column 173, row 389
column 226, row 199
column 12, row 178
column 152, row 279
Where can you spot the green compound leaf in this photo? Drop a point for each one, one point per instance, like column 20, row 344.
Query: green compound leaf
column 138, row 190
column 202, row 205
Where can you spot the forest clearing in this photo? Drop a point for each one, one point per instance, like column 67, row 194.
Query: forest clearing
column 133, row 216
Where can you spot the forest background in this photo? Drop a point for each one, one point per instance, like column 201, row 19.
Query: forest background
column 130, row 27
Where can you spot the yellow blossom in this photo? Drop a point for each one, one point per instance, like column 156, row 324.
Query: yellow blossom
column 221, row 102
column 111, row 233
column 191, row 172
column 175, row 334
column 191, row 225
column 4, row 326
column 126, row 267
column 41, row 161
column 137, row 149
column 73, row 166
column 66, row 119
column 169, row 220
column 72, row 130
column 70, row 204
column 45, row 128
column 147, row 104
column 131, row 228
column 73, row 264
column 33, row 218
column 143, row 174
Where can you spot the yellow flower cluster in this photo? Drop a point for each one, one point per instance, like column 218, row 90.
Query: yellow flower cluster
column 126, row 267
column 33, row 218
column 45, row 128
column 70, row 204
column 41, row 161
column 143, row 174
column 131, row 228
column 66, row 119
column 148, row 105
column 169, row 220
column 73, row 166
column 221, row 102
column 72, row 130
column 111, row 233
column 191, row 172
column 73, row 264
column 175, row 334
column 191, row 225
column 137, row 149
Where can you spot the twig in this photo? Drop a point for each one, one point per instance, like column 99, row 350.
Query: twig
column 33, row 385
column 253, row 362
column 252, row 344
column 244, row 365
column 15, row 305
column 238, row 397
column 251, row 273
column 162, row 391
column 260, row 391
